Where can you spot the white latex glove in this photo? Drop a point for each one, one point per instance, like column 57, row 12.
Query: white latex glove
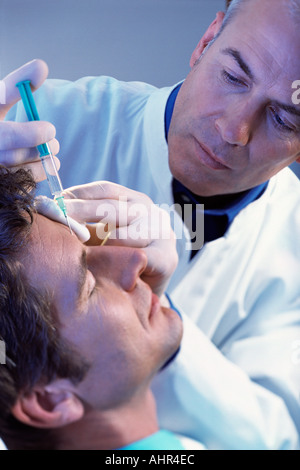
column 50, row 209
column 132, row 220
column 18, row 140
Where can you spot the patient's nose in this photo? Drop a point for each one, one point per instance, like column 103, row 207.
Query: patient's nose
column 133, row 265
column 121, row 265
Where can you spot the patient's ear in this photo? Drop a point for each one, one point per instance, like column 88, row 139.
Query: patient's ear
column 48, row 407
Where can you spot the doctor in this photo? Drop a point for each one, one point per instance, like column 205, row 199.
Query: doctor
column 222, row 138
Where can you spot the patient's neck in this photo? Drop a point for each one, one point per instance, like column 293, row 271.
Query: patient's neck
column 111, row 429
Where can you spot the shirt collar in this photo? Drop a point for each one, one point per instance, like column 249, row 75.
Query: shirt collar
column 170, row 107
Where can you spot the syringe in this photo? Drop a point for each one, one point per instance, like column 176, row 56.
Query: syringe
column 44, row 149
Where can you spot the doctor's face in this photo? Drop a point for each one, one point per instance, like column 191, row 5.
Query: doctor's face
column 103, row 308
column 234, row 123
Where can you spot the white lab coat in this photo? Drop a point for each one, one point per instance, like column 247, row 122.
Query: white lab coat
column 236, row 382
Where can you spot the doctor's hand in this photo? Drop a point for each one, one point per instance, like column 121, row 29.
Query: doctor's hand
column 18, row 140
column 131, row 219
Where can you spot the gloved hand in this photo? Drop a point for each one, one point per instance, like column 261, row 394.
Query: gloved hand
column 49, row 208
column 132, row 220
column 18, row 140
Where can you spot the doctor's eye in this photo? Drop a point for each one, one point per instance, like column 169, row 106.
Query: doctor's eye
column 232, row 79
column 279, row 123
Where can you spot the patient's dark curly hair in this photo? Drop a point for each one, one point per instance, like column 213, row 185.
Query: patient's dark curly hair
column 34, row 351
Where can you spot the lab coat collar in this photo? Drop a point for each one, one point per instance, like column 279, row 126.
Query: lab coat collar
column 156, row 144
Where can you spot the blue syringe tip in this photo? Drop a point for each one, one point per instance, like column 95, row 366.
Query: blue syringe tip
column 62, row 206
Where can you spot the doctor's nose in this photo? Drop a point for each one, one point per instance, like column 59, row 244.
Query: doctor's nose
column 235, row 127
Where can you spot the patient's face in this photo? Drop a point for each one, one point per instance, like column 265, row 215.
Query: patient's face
column 104, row 309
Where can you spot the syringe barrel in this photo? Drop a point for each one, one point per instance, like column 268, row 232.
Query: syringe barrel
column 52, row 174
column 45, row 153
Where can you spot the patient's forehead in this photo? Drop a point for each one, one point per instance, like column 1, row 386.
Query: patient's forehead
column 48, row 235
column 50, row 249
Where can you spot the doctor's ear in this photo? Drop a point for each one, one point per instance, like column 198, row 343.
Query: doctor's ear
column 208, row 36
column 48, row 407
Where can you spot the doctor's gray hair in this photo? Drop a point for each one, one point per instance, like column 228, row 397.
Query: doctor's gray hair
column 234, row 6
column 295, row 8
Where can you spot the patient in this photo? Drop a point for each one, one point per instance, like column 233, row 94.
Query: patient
column 84, row 335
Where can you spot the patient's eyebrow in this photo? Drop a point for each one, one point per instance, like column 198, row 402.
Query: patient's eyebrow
column 239, row 60
column 82, row 269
